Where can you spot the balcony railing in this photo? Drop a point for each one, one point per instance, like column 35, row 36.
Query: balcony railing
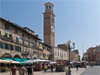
column 5, row 37
column 25, row 53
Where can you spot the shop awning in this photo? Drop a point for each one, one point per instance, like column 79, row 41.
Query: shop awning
column 18, row 59
column 24, row 59
column 7, row 59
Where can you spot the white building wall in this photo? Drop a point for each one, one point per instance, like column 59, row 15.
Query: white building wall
column 60, row 54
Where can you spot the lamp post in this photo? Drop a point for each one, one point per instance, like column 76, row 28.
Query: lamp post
column 69, row 48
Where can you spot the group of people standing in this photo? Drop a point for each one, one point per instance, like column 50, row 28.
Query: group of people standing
column 23, row 70
column 28, row 69
column 47, row 66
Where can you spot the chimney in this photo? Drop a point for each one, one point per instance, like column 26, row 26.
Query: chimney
column 36, row 35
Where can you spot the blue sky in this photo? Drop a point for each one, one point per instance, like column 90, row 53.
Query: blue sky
column 76, row 20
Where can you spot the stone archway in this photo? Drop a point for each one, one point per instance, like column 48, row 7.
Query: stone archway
column 6, row 55
column 17, row 56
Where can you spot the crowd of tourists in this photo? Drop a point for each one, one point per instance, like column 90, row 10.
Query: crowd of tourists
column 29, row 69
column 23, row 70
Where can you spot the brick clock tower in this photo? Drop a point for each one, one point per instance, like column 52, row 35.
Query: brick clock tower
column 49, row 25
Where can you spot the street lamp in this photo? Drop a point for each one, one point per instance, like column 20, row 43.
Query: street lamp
column 69, row 48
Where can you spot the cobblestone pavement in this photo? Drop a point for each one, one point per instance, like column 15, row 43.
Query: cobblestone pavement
column 92, row 71
column 73, row 71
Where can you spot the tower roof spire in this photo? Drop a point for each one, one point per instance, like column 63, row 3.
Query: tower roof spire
column 48, row 3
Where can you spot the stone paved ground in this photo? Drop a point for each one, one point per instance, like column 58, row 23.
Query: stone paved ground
column 92, row 71
column 73, row 70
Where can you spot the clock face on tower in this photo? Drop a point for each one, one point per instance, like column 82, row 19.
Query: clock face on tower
column 52, row 28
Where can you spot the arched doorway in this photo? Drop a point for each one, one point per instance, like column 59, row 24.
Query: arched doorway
column 17, row 56
column 6, row 55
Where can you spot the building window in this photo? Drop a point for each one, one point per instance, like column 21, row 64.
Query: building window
column 17, row 40
column 23, row 42
column 26, row 50
column 10, row 36
column 1, row 44
column 43, row 47
column 50, row 7
column 17, row 48
column 7, row 27
column 16, row 31
column 11, row 47
column 58, row 53
column 6, row 46
column 44, row 55
column 29, row 44
column 6, row 35
column 22, row 49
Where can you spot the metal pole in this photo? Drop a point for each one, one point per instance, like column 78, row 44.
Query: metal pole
column 69, row 72
column 69, row 47
column 69, row 61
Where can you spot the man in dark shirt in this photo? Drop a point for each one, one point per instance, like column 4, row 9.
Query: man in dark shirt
column 51, row 68
column 30, row 70
column 13, row 70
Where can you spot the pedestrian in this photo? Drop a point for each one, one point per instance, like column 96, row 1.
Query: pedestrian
column 40, row 66
column 45, row 68
column 23, row 70
column 77, row 67
column 51, row 67
column 65, row 68
column 85, row 65
column 13, row 70
column 30, row 70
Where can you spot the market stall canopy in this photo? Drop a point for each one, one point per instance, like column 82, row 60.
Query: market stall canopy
column 29, row 61
column 18, row 59
column 36, row 60
column 13, row 62
column 24, row 59
column 7, row 58
column 52, row 62
column 4, row 61
column 40, row 60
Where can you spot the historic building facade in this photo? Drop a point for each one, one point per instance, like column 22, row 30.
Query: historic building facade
column 59, row 54
column 19, row 42
column 75, row 55
column 92, row 55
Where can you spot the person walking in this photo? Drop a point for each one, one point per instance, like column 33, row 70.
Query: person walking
column 45, row 68
column 51, row 67
column 30, row 70
column 77, row 67
column 65, row 68
column 13, row 70
column 23, row 70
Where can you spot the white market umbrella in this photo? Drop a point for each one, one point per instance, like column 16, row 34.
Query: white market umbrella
column 4, row 61
column 28, row 61
column 53, row 62
column 36, row 60
column 13, row 62
column 40, row 60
